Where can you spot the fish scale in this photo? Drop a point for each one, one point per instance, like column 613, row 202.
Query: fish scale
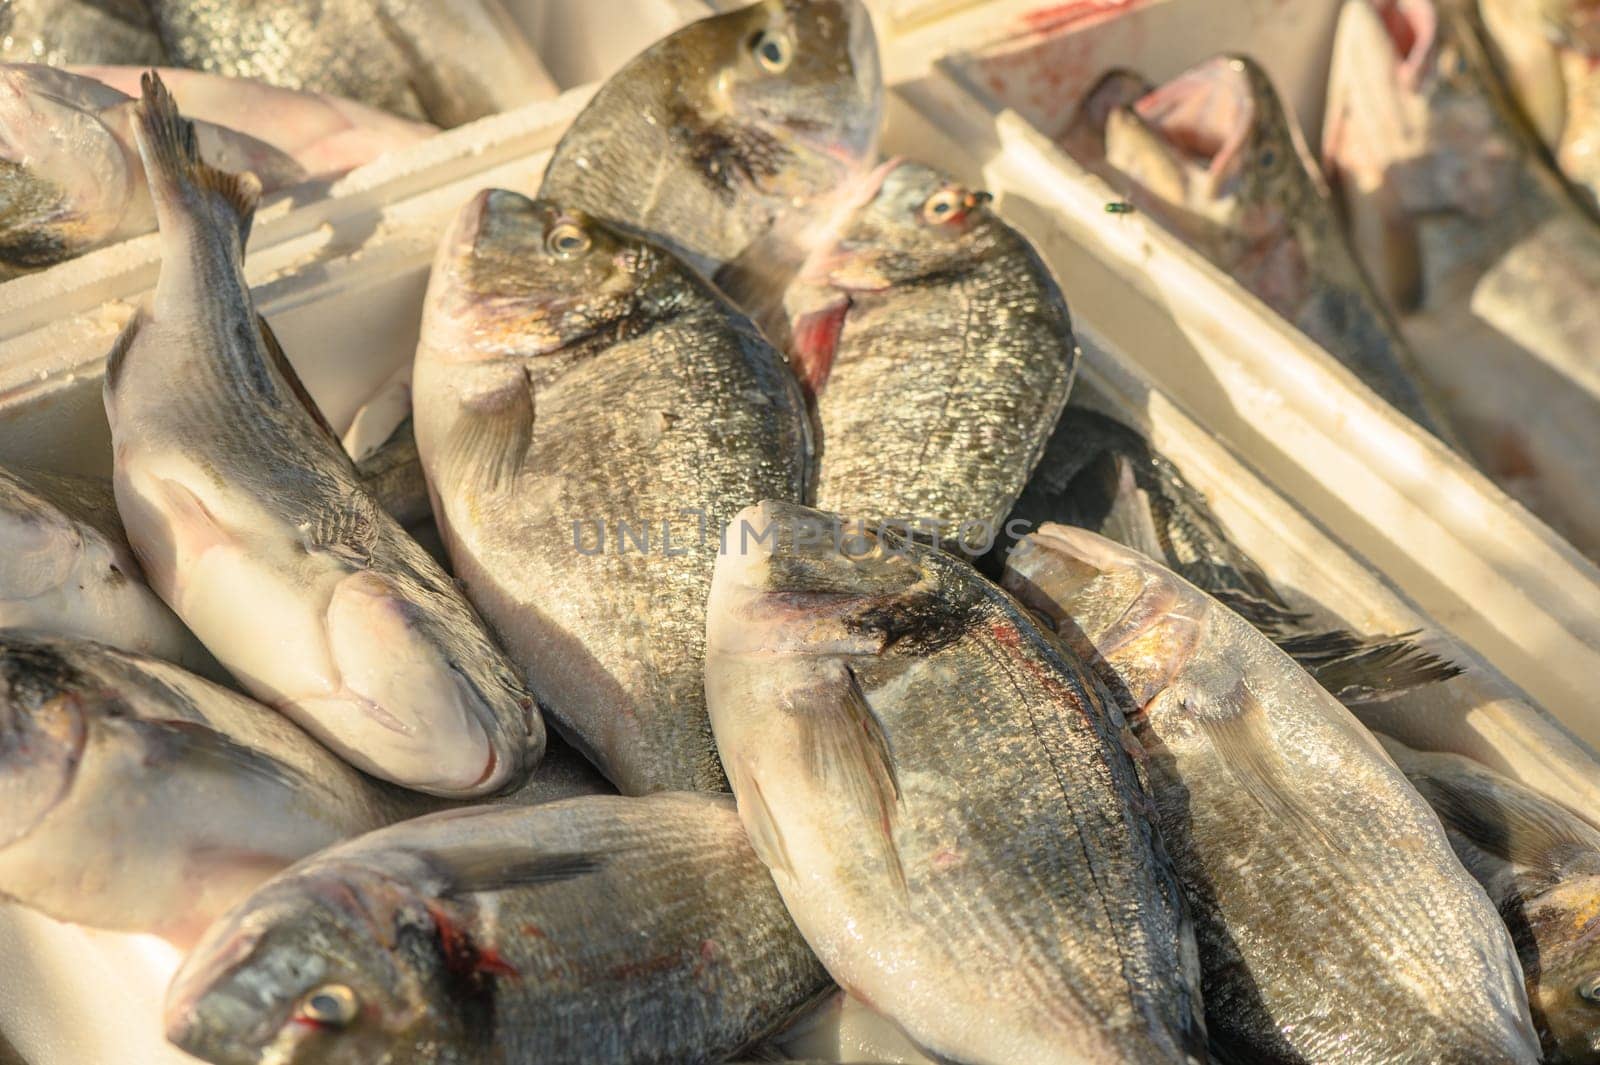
column 975, row 902
column 1332, row 918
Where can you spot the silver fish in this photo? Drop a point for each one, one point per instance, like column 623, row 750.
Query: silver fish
column 446, row 61
column 938, row 351
column 947, row 799
column 79, row 31
column 1215, row 156
column 589, row 412
column 595, row 929
column 732, row 126
column 65, row 568
column 326, row 135
column 139, row 797
column 1473, row 238
column 1540, row 865
column 70, row 178
column 235, row 494
column 1294, row 836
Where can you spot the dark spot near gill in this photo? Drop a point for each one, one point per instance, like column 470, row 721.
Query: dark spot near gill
column 918, row 624
column 33, row 674
column 727, row 155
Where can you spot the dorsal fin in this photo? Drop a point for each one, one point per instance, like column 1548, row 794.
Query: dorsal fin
column 172, row 160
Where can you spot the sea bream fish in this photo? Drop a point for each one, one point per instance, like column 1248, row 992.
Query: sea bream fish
column 141, row 798
column 326, row 135
column 1416, row 685
column 590, row 413
column 602, row 928
column 1295, row 837
column 443, row 61
column 946, row 797
column 1215, row 157
column 251, row 523
column 938, row 352
column 79, row 31
column 731, row 127
column 70, row 176
column 1540, row 864
column 66, row 568
column 1474, row 239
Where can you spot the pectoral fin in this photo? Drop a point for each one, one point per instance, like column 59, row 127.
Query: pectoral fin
column 347, row 530
column 475, row 869
column 485, row 448
column 1241, row 733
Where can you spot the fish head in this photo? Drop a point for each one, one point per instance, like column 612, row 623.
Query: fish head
column 446, row 710
column 519, row 278
column 1413, row 128
column 46, row 702
column 316, row 966
column 67, row 180
column 918, row 223
column 790, row 578
column 1558, row 938
column 1213, row 143
column 1107, row 600
column 802, row 74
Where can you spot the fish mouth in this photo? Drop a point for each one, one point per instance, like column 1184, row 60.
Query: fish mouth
column 1203, row 118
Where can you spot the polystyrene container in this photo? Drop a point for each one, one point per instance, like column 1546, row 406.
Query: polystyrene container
column 1357, row 516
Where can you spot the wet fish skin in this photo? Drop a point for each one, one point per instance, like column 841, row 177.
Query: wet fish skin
column 70, row 178
column 1475, row 241
column 943, row 796
column 560, row 396
column 393, row 474
column 326, row 135
column 705, row 143
column 1293, row 834
column 232, row 488
column 1215, row 157
column 141, row 798
column 66, row 568
column 1102, row 475
column 445, row 61
column 938, row 351
column 595, row 929
column 58, row 32
column 1540, row 865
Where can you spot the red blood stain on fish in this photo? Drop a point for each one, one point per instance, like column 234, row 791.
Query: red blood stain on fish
column 462, row 955
column 816, row 343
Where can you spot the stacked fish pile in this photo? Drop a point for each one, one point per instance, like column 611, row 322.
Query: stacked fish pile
column 753, row 471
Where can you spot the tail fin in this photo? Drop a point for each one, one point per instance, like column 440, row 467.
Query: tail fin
column 176, row 173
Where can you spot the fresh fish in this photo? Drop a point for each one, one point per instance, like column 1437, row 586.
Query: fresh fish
column 393, row 474
column 1473, row 238
column 844, row 1028
column 947, row 799
column 141, row 798
column 1294, row 836
column 234, row 491
column 1214, row 156
column 732, row 126
column 1104, row 476
column 445, row 61
column 589, row 414
column 65, row 568
column 79, row 31
column 596, row 929
column 70, row 178
column 1541, row 866
column 938, row 351
column 327, row 136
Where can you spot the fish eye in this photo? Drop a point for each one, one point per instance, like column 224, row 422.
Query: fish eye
column 1269, row 157
column 943, row 205
column 773, row 50
column 1589, row 989
column 567, row 240
column 333, row 1005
